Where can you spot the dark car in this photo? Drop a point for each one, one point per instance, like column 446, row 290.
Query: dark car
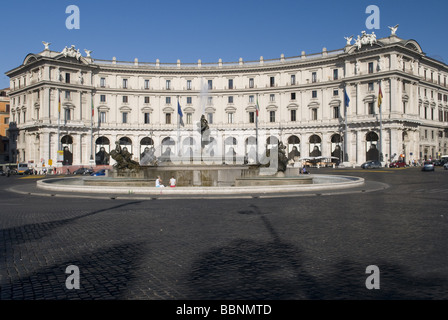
column 101, row 172
column 28, row 171
column 83, row 171
column 371, row 164
column 2, row 173
column 428, row 166
column 397, row 164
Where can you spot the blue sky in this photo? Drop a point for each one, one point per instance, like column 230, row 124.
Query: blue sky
column 210, row 29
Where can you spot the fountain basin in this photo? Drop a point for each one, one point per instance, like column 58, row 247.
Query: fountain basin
column 107, row 185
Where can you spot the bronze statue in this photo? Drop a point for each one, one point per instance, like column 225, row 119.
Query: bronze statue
column 123, row 158
column 282, row 159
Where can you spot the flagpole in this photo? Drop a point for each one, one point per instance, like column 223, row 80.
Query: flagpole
column 178, row 128
column 346, row 102
column 380, row 99
column 256, row 131
column 91, row 132
column 59, row 123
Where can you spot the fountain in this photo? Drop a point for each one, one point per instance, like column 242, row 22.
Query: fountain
column 198, row 172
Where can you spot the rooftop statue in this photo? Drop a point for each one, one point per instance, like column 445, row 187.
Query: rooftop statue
column 47, row 45
column 393, row 30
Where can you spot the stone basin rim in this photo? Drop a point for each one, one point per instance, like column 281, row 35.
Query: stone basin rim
column 325, row 182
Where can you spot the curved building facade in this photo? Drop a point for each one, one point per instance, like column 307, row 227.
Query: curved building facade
column 324, row 104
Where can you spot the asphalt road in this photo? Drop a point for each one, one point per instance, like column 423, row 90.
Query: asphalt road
column 314, row 247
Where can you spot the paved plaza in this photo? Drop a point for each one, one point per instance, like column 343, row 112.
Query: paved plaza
column 293, row 247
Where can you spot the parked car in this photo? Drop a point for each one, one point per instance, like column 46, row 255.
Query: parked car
column 83, row 171
column 371, row 164
column 445, row 166
column 397, row 164
column 101, row 172
column 28, row 171
column 428, row 166
column 2, row 173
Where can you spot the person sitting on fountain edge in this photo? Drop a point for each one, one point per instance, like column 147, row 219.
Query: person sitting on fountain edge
column 159, row 182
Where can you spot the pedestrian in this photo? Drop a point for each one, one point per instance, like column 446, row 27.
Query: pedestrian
column 172, row 182
column 159, row 182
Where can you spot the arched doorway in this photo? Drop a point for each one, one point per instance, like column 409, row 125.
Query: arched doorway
column 102, row 149
column 336, row 147
column 126, row 144
column 188, row 146
column 146, row 146
column 293, row 148
column 315, row 146
column 372, row 152
column 250, row 151
column 67, row 148
column 229, row 149
column 168, row 145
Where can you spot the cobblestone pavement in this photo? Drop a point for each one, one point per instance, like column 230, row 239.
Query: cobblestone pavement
column 313, row 247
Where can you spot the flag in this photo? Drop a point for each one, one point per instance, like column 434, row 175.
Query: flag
column 93, row 109
column 59, row 103
column 380, row 97
column 257, row 108
column 179, row 111
column 347, row 99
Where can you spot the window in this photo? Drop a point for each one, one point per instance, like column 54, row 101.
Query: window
column 67, row 77
column 67, row 114
column 209, row 101
column 335, row 74
column 251, row 82
column 210, row 118
column 168, row 84
column 103, row 98
column 404, row 107
column 335, row 92
column 125, row 99
column 230, row 83
column 167, row 100
column 293, row 79
column 313, row 77
column 314, row 114
column 146, row 84
column 336, row 112
column 103, row 82
column 293, row 96
column 230, row 117
column 230, row 99
column 251, row 99
column 189, row 118
column 293, row 115
column 210, row 84
column 124, row 116
column 314, row 94
column 272, row 81
column 272, row 97
column 6, row 120
column 67, row 95
column 146, row 99
column 271, row 116
column 125, row 83
column 370, row 67
column 146, row 117
column 251, row 117
column 189, row 100
column 371, row 108
column 188, row 84
column 102, row 117
column 167, row 118
column 370, row 86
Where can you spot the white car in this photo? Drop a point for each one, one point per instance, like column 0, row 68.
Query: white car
column 445, row 166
